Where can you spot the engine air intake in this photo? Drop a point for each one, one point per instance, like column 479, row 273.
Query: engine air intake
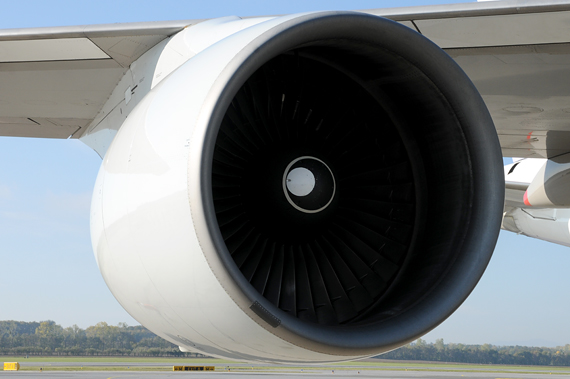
column 349, row 181
column 327, row 253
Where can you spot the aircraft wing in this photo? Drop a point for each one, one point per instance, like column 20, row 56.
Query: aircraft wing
column 54, row 81
column 518, row 55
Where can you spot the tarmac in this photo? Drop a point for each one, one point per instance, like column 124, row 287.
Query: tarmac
column 286, row 375
column 97, row 370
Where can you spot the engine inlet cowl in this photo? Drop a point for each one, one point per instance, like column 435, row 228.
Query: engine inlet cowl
column 378, row 124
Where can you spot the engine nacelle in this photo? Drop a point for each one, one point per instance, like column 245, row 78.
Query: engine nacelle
column 316, row 187
column 549, row 188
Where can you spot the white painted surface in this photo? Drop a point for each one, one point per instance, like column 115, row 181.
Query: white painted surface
column 552, row 225
column 148, row 231
column 548, row 224
column 541, row 186
column 525, row 170
column 150, row 69
column 300, row 181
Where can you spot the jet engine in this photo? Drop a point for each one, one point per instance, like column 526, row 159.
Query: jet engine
column 313, row 188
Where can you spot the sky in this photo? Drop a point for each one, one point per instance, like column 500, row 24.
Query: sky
column 48, row 270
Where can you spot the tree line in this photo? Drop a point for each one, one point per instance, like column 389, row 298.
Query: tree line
column 420, row 350
column 49, row 338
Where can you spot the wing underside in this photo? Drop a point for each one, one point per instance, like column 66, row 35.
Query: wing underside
column 54, row 81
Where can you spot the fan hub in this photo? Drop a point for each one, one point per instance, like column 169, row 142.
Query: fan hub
column 309, row 184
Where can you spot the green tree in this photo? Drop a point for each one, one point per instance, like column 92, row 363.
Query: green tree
column 439, row 345
column 50, row 335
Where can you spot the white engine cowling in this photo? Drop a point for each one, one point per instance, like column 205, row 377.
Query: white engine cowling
column 206, row 235
column 549, row 188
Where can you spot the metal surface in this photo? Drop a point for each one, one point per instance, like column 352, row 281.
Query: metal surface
column 60, row 98
column 149, row 70
column 501, row 30
column 153, row 194
column 163, row 28
column 527, row 91
column 54, row 49
column 526, row 87
column 549, row 188
column 516, row 186
column 518, row 177
column 207, row 318
column 487, row 8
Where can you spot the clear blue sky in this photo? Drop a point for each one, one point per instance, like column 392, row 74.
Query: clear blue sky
column 47, row 267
